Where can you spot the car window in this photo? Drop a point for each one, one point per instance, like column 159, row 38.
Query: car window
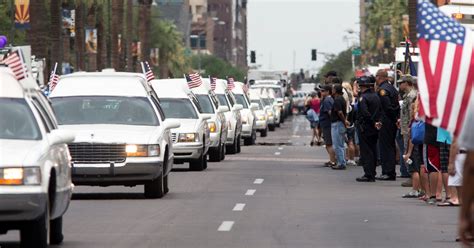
column 17, row 120
column 260, row 106
column 197, row 104
column 206, row 104
column 240, row 98
column 223, row 100
column 231, row 99
column 104, row 110
column 215, row 101
column 45, row 117
column 158, row 106
column 180, row 108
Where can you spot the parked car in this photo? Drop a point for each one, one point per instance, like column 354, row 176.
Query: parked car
column 276, row 91
column 261, row 117
column 299, row 99
column 217, row 124
column 249, row 127
column 122, row 137
column 269, row 108
column 35, row 166
column 190, row 141
column 233, row 116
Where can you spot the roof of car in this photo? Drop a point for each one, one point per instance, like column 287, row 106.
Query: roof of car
column 204, row 88
column 9, row 86
column 171, row 88
column 101, row 84
column 239, row 88
column 221, row 86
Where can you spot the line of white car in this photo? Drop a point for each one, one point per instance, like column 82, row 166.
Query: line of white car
column 111, row 128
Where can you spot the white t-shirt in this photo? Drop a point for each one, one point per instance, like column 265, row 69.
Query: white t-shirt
column 467, row 133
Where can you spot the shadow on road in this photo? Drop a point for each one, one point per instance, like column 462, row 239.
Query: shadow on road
column 107, row 196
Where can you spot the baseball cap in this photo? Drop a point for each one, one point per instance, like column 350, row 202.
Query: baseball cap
column 325, row 87
column 405, row 79
column 331, row 73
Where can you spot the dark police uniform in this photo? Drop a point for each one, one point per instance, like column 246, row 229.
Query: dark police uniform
column 368, row 113
column 390, row 113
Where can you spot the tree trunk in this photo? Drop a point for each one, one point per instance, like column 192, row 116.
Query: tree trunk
column 101, row 46
column 412, row 21
column 129, row 35
column 145, row 23
column 80, row 38
column 38, row 33
column 115, row 31
column 91, row 23
column 56, row 34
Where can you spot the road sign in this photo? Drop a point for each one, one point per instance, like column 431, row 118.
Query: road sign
column 356, row 52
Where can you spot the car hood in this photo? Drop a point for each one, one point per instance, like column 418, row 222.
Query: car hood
column 21, row 152
column 187, row 126
column 114, row 133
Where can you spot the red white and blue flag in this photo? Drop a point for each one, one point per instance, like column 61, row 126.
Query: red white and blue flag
column 213, row 82
column 16, row 63
column 194, row 80
column 446, row 68
column 53, row 78
column 230, row 83
column 147, row 71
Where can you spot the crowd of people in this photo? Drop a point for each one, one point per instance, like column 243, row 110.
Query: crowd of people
column 369, row 121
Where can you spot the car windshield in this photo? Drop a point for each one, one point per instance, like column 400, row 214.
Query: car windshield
column 278, row 93
column 17, row 121
column 79, row 110
column 259, row 103
column 206, row 104
column 223, row 100
column 179, row 108
column 241, row 100
column 268, row 101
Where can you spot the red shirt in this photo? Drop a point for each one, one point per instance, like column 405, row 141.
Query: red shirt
column 315, row 104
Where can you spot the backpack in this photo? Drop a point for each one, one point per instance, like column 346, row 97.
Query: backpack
column 417, row 132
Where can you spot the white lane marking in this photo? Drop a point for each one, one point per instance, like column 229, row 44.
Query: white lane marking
column 280, row 148
column 226, row 226
column 279, row 159
column 239, row 207
column 250, row 192
column 258, row 181
column 277, row 153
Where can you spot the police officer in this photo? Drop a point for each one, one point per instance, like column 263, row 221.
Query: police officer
column 390, row 114
column 368, row 121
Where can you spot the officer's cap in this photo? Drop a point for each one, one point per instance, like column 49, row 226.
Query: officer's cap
column 405, row 79
column 366, row 81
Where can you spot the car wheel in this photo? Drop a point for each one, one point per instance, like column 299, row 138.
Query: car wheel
column 264, row 133
column 278, row 124
column 56, row 236
column 155, row 188
column 223, row 151
column 271, row 127
column 254, row 137
column 238, row 145
column 35, row 233
column 215, row 154
column 248, row 141
column 165, row 183
column 232, row 149
column 199, row 164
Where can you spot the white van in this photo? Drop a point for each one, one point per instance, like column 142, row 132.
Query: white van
column 249, row 127
column 191, row 140
column 122, row 137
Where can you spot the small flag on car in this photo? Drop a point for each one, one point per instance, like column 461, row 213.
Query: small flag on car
column 53, row 78
column 230, row 83
column 15, row 61
column 213, row 81
column 194, row 80
column 147, row 71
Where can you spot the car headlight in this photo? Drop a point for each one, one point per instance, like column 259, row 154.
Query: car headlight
column 269, row 113
column 212, row 127
column 261, row 117
column 188, row 137
column 20, row 176
column 142, row 150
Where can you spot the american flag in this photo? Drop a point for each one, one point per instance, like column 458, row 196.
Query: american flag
column 230, row 83
column 53, row 78
column 213, row 81
column 147, row 71
column 194, row 80
column 446, row 69
column 16, row 64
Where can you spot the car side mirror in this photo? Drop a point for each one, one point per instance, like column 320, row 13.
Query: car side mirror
column 170, row 124
column 238, row 107
column 253, row 106
column 57, row 137
column 206, row 117
column 222, row 109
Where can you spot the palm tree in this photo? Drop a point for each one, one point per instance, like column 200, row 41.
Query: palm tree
column 129, row 35
column 144, row 27
column 115, row 30
column 412, row 20
column 56, row 33
column 38, row 36
column 80, row 38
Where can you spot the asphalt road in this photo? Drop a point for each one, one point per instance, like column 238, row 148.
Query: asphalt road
column 275, row 194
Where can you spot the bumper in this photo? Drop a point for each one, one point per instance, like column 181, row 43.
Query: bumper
column 128, row 173
column 247, row 130
column 214, row 137
column 21, row 207
column 230, row 137
column 187, row 152
column 261, row 125
column 271, row 120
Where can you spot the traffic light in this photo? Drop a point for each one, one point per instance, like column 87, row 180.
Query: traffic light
column 314, row 55
column 252, row 57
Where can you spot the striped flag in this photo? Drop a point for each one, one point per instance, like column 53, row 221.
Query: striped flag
column 213, row 81
column 147, row 71
column 53, row 78
column 194, row 80
column 230, row 83
column 446, row 69
column 16, row 63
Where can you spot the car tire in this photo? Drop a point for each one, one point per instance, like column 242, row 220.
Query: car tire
column 278, row 124
column 35, row 233
column 232, row 149
column 215, row 155
column 248, row 141
column 56, row 236
column 264, row 133
column 271, row 127
column 223, row 151
column 155, row 188
column 239, row 147
column 199, row 164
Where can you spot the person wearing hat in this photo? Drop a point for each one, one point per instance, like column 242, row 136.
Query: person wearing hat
column 388, row 96
column 368, row 123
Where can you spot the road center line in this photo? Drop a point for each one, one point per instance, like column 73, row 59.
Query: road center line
column 277, row 153
column 239, row 207
column 280, row 148
column 225, row 226
column 258, row 181
column 250, row 192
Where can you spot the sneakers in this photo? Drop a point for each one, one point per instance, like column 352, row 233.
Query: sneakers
column 338, row 167
column 413, row 194
column 431, row 201
column 351, row 163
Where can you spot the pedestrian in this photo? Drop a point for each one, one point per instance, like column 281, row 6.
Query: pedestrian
column 351, row 150
column 325, row 122
column 314, row 107
column 339, row 124
column 466, row 140
column 369, row 114
column 457, row 156
column 433, row 162
column 391, row 111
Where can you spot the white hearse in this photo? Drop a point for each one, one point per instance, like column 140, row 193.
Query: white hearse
column 191, row 140
column 249, row 127
column 122, row 137
column 217, row 124
column 275, row 91
column 261, row 116
column 35, row 166
column 226, row 98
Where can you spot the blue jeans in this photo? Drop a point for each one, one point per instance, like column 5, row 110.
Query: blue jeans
column 338, row 131
column 401, row 148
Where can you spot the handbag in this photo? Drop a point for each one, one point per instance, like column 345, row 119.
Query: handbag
column 312, row 116
column 418, row 132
